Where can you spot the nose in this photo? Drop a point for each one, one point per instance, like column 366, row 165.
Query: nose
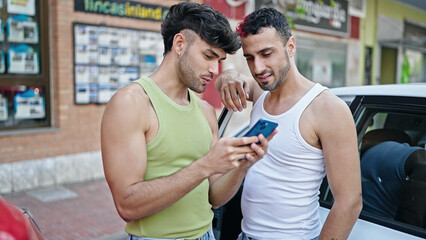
column 214, row 68
column 258, row 66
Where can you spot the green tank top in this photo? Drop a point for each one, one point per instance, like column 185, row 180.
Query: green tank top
column 184, row 135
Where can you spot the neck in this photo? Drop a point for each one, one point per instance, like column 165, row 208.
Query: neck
column 294, row 86
column 167, row 79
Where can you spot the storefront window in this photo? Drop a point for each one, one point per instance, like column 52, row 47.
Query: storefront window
column 322, row 62
column 24, row 65
column 412, row 67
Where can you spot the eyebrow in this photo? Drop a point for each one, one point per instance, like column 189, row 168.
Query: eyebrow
column 260, row 51
column 215, row 54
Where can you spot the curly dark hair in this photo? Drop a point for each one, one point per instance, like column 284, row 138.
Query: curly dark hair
column 209, row 24
column 265, row 17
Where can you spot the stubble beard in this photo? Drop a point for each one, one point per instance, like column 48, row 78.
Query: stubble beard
column 282, row 76
column 188, row 76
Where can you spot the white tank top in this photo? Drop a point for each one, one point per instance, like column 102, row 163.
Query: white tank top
column 280, row 195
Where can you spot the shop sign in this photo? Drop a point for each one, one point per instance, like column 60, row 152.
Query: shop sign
column 323, row 16
column 122, row 8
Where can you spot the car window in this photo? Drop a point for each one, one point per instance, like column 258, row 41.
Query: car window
column 237, row 124
column 390, row 133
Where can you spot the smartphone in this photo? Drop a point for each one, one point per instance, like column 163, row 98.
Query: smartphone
column 263, row 127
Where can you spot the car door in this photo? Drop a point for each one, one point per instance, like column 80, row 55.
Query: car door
column 407, row 114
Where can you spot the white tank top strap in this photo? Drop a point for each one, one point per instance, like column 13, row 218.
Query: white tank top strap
column 261, row 99
column 309, row 97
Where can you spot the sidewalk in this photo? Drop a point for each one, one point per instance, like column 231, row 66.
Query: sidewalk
column 77, row 211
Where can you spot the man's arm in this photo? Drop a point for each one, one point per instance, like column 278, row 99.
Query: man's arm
column 232, row 85
column 337, row 133
column 224, row 186
column 127, row 119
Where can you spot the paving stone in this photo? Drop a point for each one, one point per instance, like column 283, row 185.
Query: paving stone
column 77, row 211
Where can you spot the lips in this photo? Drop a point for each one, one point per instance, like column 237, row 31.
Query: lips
column 207, row 80
column 264, row 78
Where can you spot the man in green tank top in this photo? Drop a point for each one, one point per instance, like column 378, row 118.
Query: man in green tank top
column 163, row 161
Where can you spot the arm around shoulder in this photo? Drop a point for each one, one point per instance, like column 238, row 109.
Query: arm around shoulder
column 235, row 89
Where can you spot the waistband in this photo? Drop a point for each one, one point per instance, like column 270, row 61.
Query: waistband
column 208, row 236
column 243, row 236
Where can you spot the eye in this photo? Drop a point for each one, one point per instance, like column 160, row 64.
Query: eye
column 208, row 56
column 248, row 59
column 266, row 54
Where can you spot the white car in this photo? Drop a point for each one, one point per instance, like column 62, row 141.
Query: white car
column 397, row 106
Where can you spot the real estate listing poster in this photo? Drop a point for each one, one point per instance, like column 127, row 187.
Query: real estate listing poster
column 21, row 6
column 23, row 59
column 108, row 58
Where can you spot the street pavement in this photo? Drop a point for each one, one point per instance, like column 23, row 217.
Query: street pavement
column 76, row 211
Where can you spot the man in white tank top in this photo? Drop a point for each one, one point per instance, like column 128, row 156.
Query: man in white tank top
column 316, row 135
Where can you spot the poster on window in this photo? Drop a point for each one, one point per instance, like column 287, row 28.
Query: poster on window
column 2, row 63
column 21, row 28
column 92, row 54
column 3, row 108
column 81, row 74
column 321, row 72
column 81, row 54
column 29, row 105
column 85, row 35
column 23, row 59
column 128, row 74
column 104, row 93
column 82, row 93
column 93, row 74
column 30, row 32
column 1, row 30
column 81, row 35
column 104, row 36
column 21, row 7
column 103, row 75
column 104, row 55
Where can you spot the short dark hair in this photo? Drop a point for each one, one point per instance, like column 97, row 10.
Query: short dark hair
column 209, row 24
column 265, row 17
column 377, row 136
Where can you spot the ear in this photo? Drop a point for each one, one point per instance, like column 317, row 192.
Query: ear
column 178, row 44
column 291, row 46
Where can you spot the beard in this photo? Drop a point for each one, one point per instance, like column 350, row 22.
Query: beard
column 187, row 75
column 282, row 75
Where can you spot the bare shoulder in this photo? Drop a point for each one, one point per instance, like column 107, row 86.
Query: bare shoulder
column 330, row 113
column 132, row 94
column 326, row 104
column 127, row 105
column 321, row 119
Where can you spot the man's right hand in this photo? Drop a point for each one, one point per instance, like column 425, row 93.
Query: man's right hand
column 234, row 89
column 226, row 154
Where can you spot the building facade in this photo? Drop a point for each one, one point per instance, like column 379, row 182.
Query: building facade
column 61, row 61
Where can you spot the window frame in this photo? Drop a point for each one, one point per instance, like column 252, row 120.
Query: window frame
column 42, row 79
